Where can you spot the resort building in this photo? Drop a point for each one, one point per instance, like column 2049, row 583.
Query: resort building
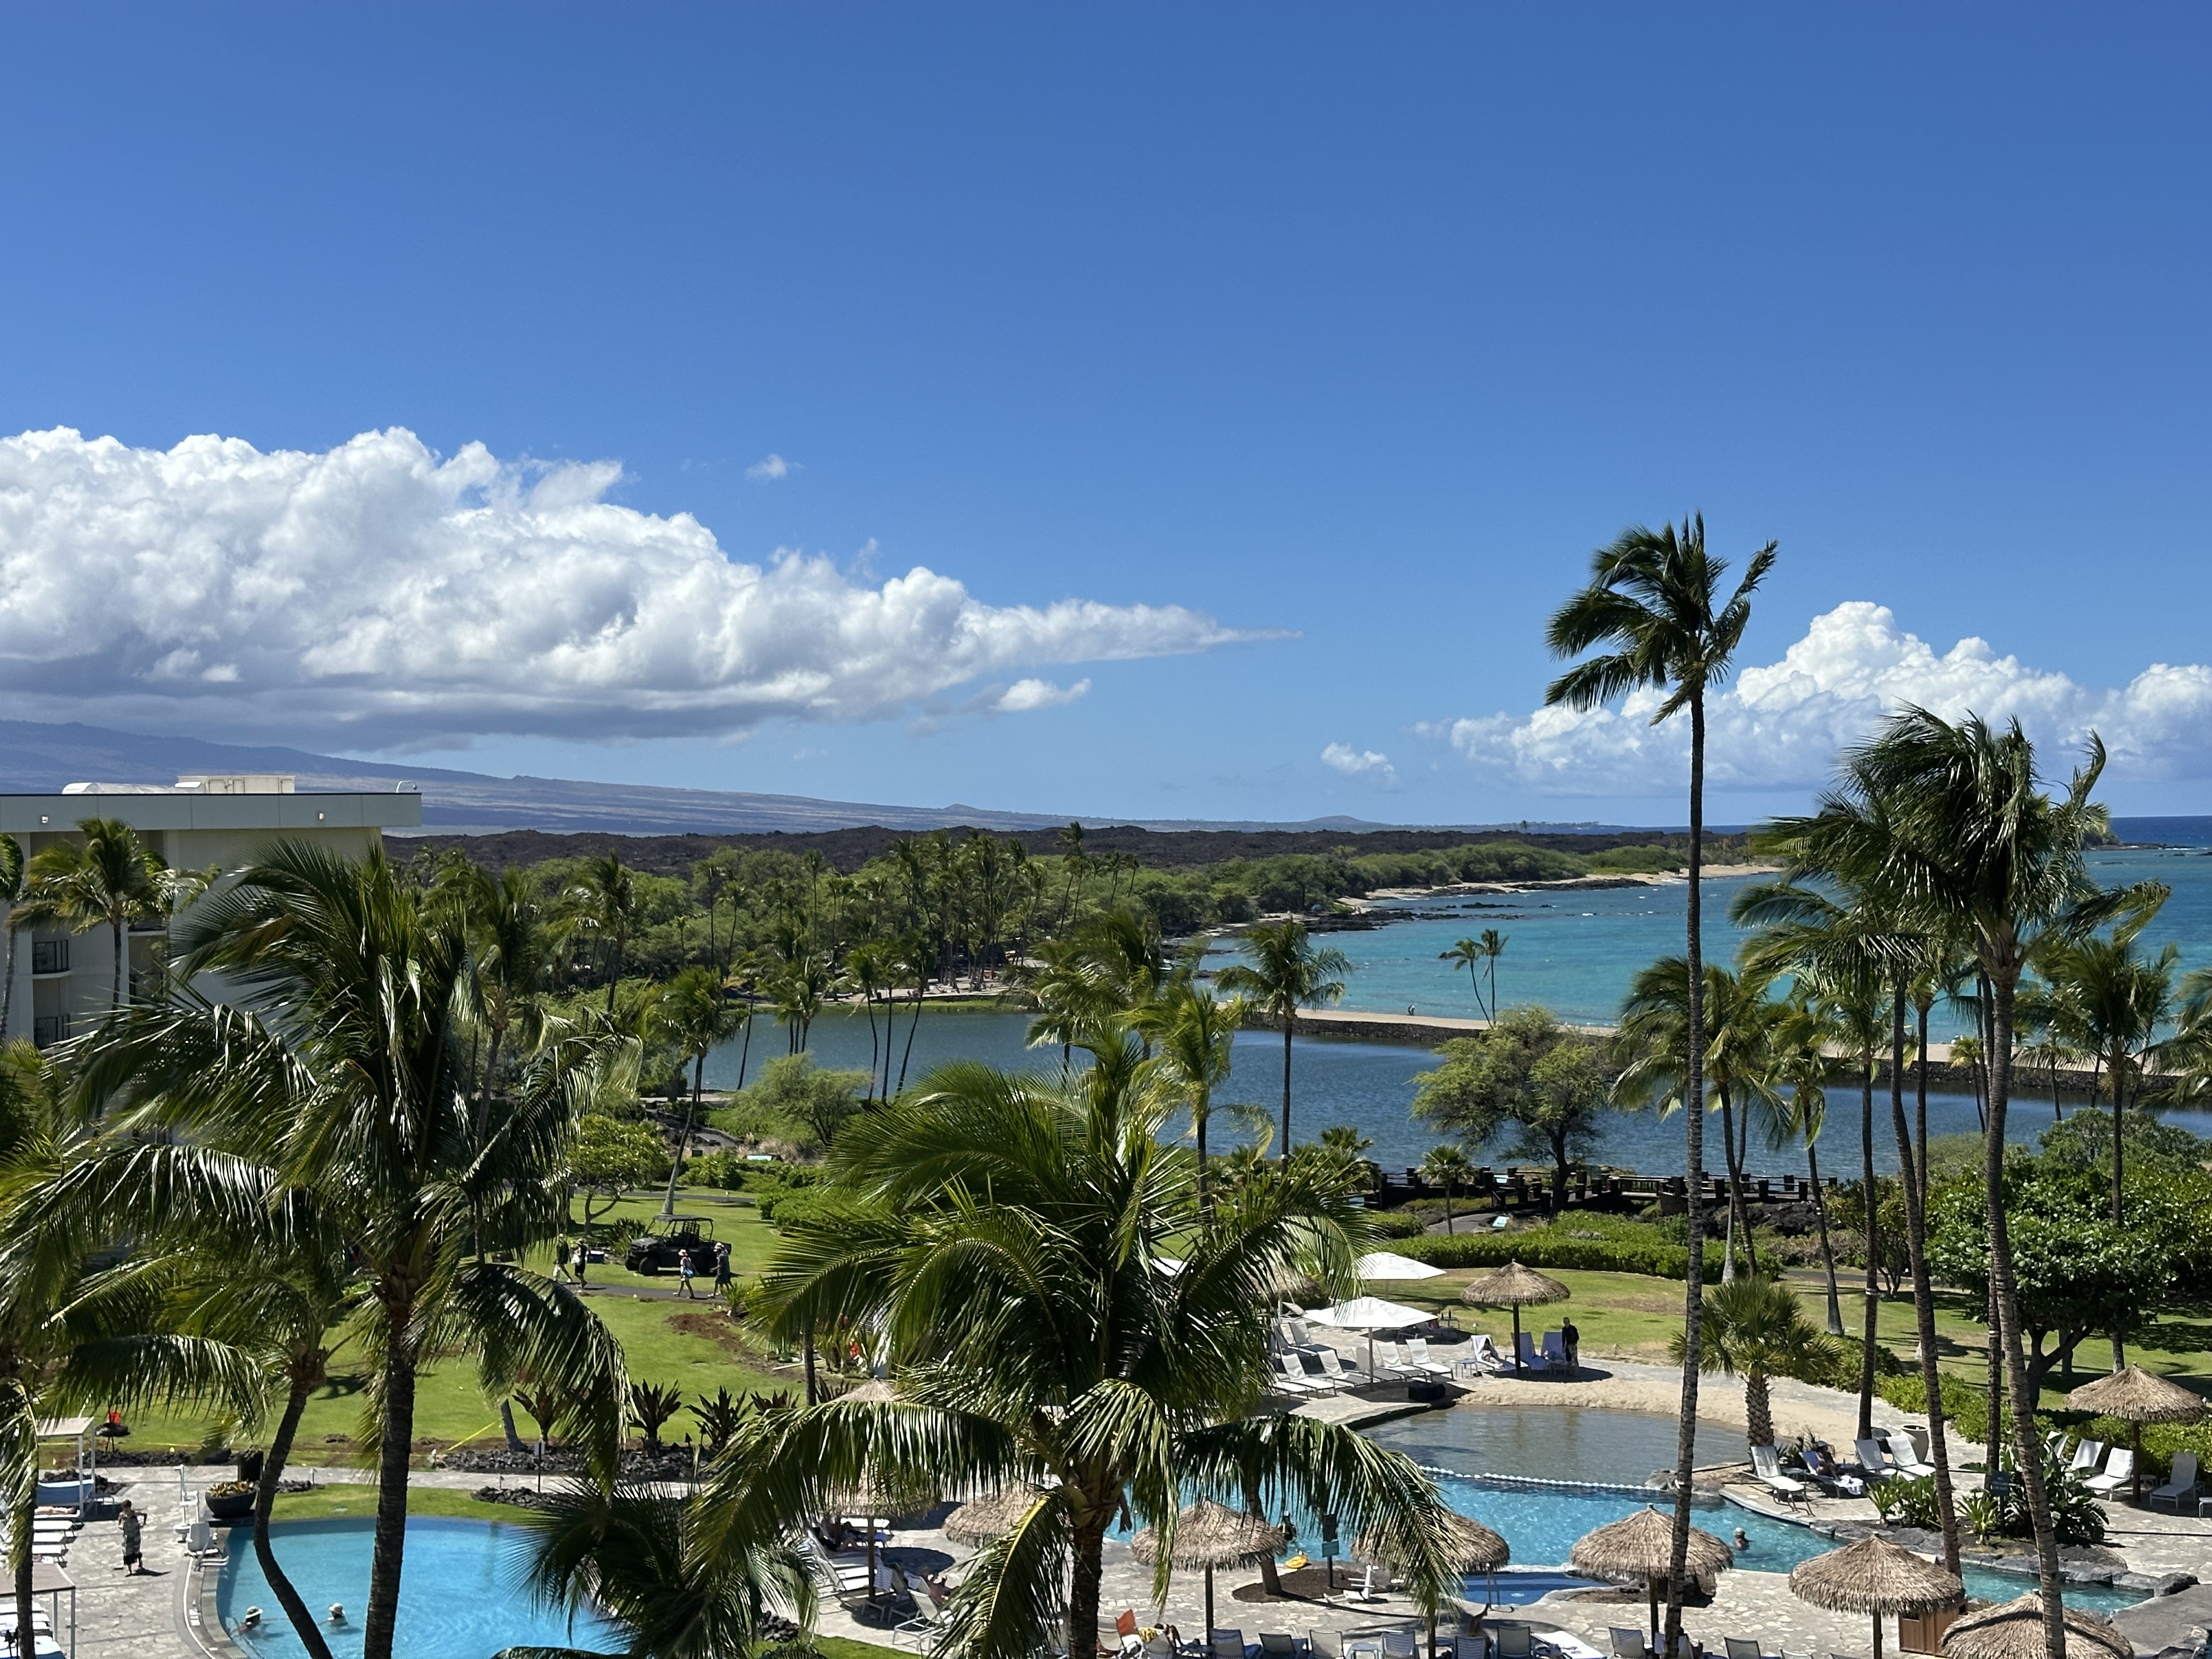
column 204, row 820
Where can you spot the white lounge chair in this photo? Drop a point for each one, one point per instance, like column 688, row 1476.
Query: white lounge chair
column 1387, row 1359
column 1555, row 1349
column 1766, row 1464
column 1417, row 1355
column 2086, row 1453
column 1333, row 1364
column 1292, row 1379
column 1316, row 1370
column 2119, row 1471
column 2182, row 1486
column 1906, row 1456
column 1531, row 1359
column 1874, row 1459
column 1481, row 1355
column 1627, row 1643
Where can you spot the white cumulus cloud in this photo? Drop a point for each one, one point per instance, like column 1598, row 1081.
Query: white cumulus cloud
column 380, row 594
column 1370, row 764
column 770, row 468
column 1023, row 695
column 1780, row 725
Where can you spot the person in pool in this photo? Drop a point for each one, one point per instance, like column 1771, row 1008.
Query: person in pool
column 252, row 1619
column 338, row 1613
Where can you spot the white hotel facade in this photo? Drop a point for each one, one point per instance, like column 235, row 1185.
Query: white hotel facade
column 63, row 981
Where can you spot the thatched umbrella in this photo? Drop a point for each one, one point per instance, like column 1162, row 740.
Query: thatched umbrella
column 1208, row 1535
column 1641, row 1550
column 2137, row 1395
column 975, row 1524
column 1474, row 1548
column 1873, row 1576
column 1515, row 1287
column 2014, row 1631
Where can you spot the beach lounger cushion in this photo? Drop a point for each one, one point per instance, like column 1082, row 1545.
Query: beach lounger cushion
column 2182, row 1486
column 2119, row 1471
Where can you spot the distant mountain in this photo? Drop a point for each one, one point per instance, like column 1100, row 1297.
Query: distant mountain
column 39, row 759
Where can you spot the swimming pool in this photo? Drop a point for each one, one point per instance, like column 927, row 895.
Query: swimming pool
column 1543, row 1522
column 462, row 1597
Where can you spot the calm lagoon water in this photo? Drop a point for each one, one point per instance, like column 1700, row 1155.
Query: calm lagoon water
column 462, row 1597
column 1575, row 952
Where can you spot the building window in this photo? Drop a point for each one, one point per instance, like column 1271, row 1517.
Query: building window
column 53, row 1028
column 50, row 955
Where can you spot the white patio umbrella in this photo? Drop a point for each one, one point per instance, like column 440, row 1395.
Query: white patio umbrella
column 1370, row 1314
column 1388, row 1264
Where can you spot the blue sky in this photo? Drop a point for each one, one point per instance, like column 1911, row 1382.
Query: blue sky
column 1354, row 327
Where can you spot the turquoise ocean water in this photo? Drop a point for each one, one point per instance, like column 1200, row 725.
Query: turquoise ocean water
column 1575, row 952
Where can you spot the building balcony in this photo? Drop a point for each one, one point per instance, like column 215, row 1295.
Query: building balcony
column 49, row 956
column 50, row 1030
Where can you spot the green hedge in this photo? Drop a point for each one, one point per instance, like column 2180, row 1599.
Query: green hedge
column 1545, row 1248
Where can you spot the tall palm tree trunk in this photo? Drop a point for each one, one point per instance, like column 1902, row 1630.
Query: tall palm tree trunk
column 921, row 990
column 1290, row 1019
column 1693, row 1216
column 869, row 997
column 2003, row 1294
column 1083, row 1589
column 2116, row 1067
column 1204, row 1191
column 1920, row 1088
column 19, row 1550
column 684, row 1141
column 265, row 1499
column 1909, row 1169
column 396, row 1436
column 1739, row 1205
column 1827, row 1251
column 115, row 990
column 7, row 983
column 1868, row 1202
column 1727, row 1163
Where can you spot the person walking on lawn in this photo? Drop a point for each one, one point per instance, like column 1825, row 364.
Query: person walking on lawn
column 721, row 1267
column 686, row 1272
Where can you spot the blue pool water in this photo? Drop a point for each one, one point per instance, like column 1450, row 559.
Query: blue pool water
column 1543, row 1523
column 462, row 1597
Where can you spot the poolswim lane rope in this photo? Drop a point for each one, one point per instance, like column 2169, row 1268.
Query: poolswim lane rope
column 1628, row 1489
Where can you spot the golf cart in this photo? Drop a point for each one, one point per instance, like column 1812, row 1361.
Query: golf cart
column 653, row 1250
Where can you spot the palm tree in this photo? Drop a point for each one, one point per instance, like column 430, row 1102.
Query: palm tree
column 1755, row 1327
column 694, row 1012
column 1039, row 1339
column 12, row 889
column 1283, row 973
column 1738, row 1068
column 1469, row 954
column 1802, row 1045
column 602, row 900
column 1448, row 1166
column 1866, row 950
column 73, row 1337
column 1976, row 849
column 621, row 1554
column 339, row 1067
column 110, row 878
column 1654, row 598
column 1195, row 1034
column 260, row 1271
column 1493, row 946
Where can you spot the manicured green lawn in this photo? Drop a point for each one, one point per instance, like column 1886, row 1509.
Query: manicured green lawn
column 360, row 1502
column 690, row 1345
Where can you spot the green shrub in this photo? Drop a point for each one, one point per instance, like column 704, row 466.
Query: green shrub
column 722, row 1168
column 795, row 1205
column 1554, row 1246
column 1966, row 1408
column 1395, row 1224
column 742, row 1294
